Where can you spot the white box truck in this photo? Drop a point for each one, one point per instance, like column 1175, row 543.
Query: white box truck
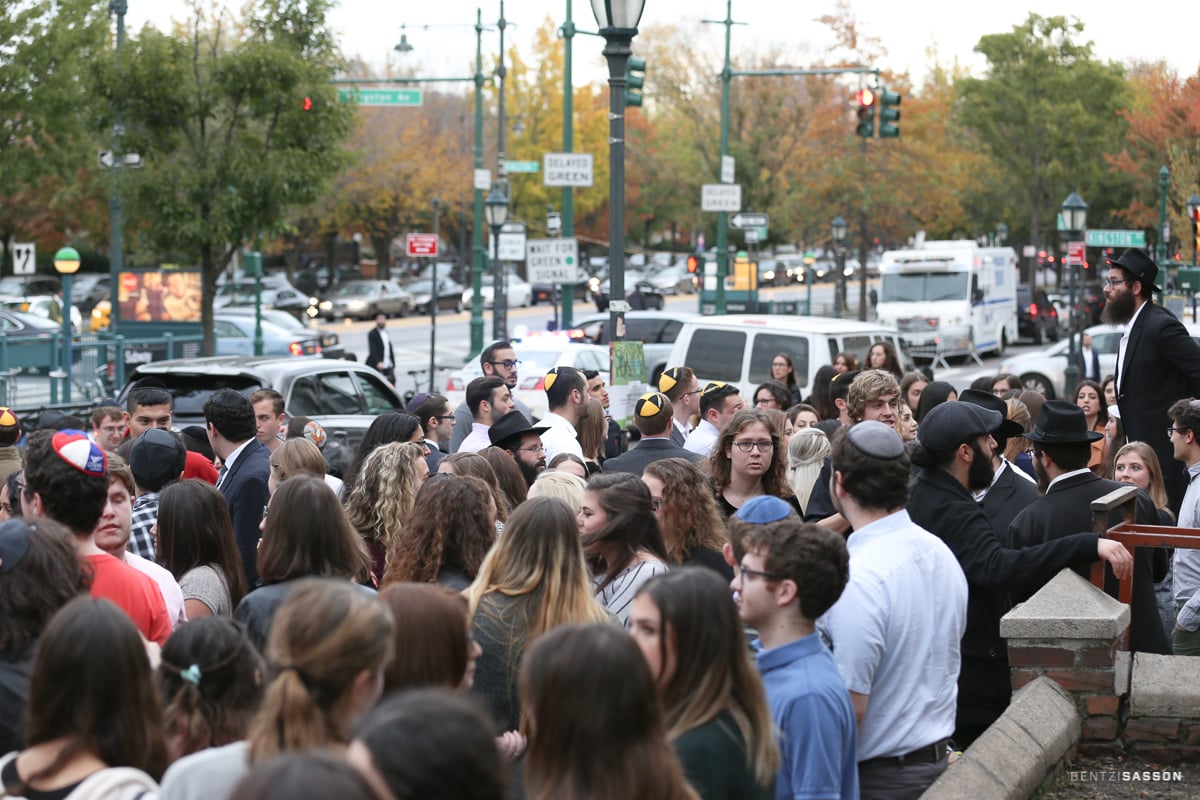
column 950, row 298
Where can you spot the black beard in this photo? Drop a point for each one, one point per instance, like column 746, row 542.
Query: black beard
column 980, row 473
column 1119, row 309
column 530, row 473
column 1043, row 480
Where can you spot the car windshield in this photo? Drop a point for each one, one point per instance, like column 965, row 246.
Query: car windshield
column 913, row 287
column 420, row 287
column 12, row 286
column 355, row 290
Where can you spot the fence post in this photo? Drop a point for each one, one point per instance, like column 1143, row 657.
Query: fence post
column 170, row 339
column 4, row 370
column 119, row 364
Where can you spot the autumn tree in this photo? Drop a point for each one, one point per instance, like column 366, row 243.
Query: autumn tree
column 237, row 125
column 1047, row 113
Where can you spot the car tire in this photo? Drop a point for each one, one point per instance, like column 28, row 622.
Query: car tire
column 1039, row 335
column 1037, row 382
column 658, row 304
column 1054, row 334
column 458, row 306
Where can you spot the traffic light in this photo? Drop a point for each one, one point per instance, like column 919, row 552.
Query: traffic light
column 635, row 78
column 693, row 264
column 889, row 115
column 866, row 113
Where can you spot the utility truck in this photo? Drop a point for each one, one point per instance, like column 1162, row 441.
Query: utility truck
column 950, row 297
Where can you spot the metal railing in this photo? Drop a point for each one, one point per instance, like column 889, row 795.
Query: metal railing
column 33, row 376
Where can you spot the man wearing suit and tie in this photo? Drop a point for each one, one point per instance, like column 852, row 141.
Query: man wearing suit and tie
column 246, row 464
column 1089, row 360
column 652, row 416
column 1157, row 361
column 379, row 349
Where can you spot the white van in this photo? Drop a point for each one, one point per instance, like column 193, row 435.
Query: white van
column 950, row 298
column 739, row 348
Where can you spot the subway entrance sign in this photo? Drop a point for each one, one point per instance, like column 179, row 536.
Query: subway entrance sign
column 1116, row 238
column 383, row 97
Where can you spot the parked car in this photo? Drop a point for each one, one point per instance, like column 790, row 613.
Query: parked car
column 635, row 284
column 449, row 295
column 772, row 272
column 672, row 280
column 1062, row 304
column 1037, row 318
column 235, row 336
column 88, row 289
column 343, row 396
column 544, row 292
column 518, row 291
column 538, row 355
column 29, row 339
column 1043, row 370
column 331, row 346
column 39, row 306
column 276, row 293
column 29, row 285
column 656, row 330
column 365, row 299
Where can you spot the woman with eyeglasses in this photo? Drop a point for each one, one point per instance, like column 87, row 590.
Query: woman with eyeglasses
column 621, row 539
column 772, row 394
column 749, row 460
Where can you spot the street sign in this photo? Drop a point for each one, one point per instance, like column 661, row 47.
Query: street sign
column 383, row 97
column 511, row 244
column 727, row 169
column 483, row 180
column 105, row 159
column 521, row 166
column 1115, row 238
column 554, row 223
column 421, row 244
column 567, row 169
column 752, row 235
column 1075, row 256
column 133, row 160
column 1029, row 251
column 24, row 259
column 552, row 261
column 721, row 197
column 749, row 219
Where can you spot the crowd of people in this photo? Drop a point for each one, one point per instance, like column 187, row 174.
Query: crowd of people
column 795, row 597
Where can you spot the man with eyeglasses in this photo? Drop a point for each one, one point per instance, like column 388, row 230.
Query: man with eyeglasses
column 1157, row 361
column 652, row 415
column 896, row 643
column 436, row 420
column 682, row 388
column 512, row 433
column 788, row 574
column 718, row 403
column 497, row 360
column 1184, row 436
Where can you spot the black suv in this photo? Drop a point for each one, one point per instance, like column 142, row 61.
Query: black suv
column 1037, row 318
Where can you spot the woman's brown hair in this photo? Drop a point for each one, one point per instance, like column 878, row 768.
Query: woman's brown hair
column 431, row 636
column 307, row 535
column 719, row 466
column 325, row 634
column 449, row 528
column 630, row 524
column 195, row 530
column 690, row 518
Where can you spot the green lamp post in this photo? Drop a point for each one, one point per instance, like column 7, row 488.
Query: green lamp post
column 66, row 262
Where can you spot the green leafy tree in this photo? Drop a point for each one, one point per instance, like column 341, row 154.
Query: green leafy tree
column 1047, row 114
column 46, row 48
column 236, row 127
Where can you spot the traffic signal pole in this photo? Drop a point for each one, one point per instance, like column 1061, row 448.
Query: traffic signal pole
column 568, row 192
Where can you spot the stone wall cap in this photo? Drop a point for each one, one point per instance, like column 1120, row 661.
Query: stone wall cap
column 1165, row 686
column 1068, row 607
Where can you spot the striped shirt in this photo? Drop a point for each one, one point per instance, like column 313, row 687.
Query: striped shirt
column 616, row 596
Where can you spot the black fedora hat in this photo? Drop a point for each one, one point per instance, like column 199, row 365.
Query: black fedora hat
column 1061, row 422
column 1139, row 265
column 1008, row 428
column 511, row 425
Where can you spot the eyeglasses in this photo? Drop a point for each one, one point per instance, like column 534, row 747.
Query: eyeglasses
column 694, row 391
column 537, row 448
column 1173, row 430
column 265, row 510
column 508, row 363
column 656, row 504
column 765, row 446
column 755, row 573
column 1111, row 282
column 443, row 416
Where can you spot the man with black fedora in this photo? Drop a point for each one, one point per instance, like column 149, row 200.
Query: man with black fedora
column 1062, row 446
column 954, row 446
column 513, row 433
column 1011, row 489
column 1157, row 361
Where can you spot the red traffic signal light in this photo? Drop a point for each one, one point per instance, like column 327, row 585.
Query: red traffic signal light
column 865, row 97
column 693, row 264
column 865, row 113
column 308, row 104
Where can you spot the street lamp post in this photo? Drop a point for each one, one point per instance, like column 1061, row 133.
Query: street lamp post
column 434, row 296
column 496, row 210
column 1164, row 181
column 839, row 240
column 1074, row 214
column 618, row 21
column 66, row 262
column 1193, row 207
column 1001, row 234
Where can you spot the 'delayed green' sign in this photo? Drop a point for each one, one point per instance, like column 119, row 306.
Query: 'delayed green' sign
column 383, row 97
column 1115, row 239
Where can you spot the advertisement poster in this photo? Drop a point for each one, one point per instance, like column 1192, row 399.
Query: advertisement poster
column 159, row 296
column 628, row 381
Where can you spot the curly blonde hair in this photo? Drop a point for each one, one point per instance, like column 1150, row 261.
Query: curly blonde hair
column 384, row 490
column 691, row 520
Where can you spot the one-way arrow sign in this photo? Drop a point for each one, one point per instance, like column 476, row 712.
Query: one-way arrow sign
column 749, row 220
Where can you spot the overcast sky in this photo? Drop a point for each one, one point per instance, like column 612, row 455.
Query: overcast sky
column 370, row 28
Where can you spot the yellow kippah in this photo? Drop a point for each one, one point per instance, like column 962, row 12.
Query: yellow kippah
column 8, row 418
column 715, row 386
column 668, row 380
column 649, row 405
column 550, row 378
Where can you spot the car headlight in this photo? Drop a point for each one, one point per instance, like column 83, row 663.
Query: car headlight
column 325, row 305
column 421, row 299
